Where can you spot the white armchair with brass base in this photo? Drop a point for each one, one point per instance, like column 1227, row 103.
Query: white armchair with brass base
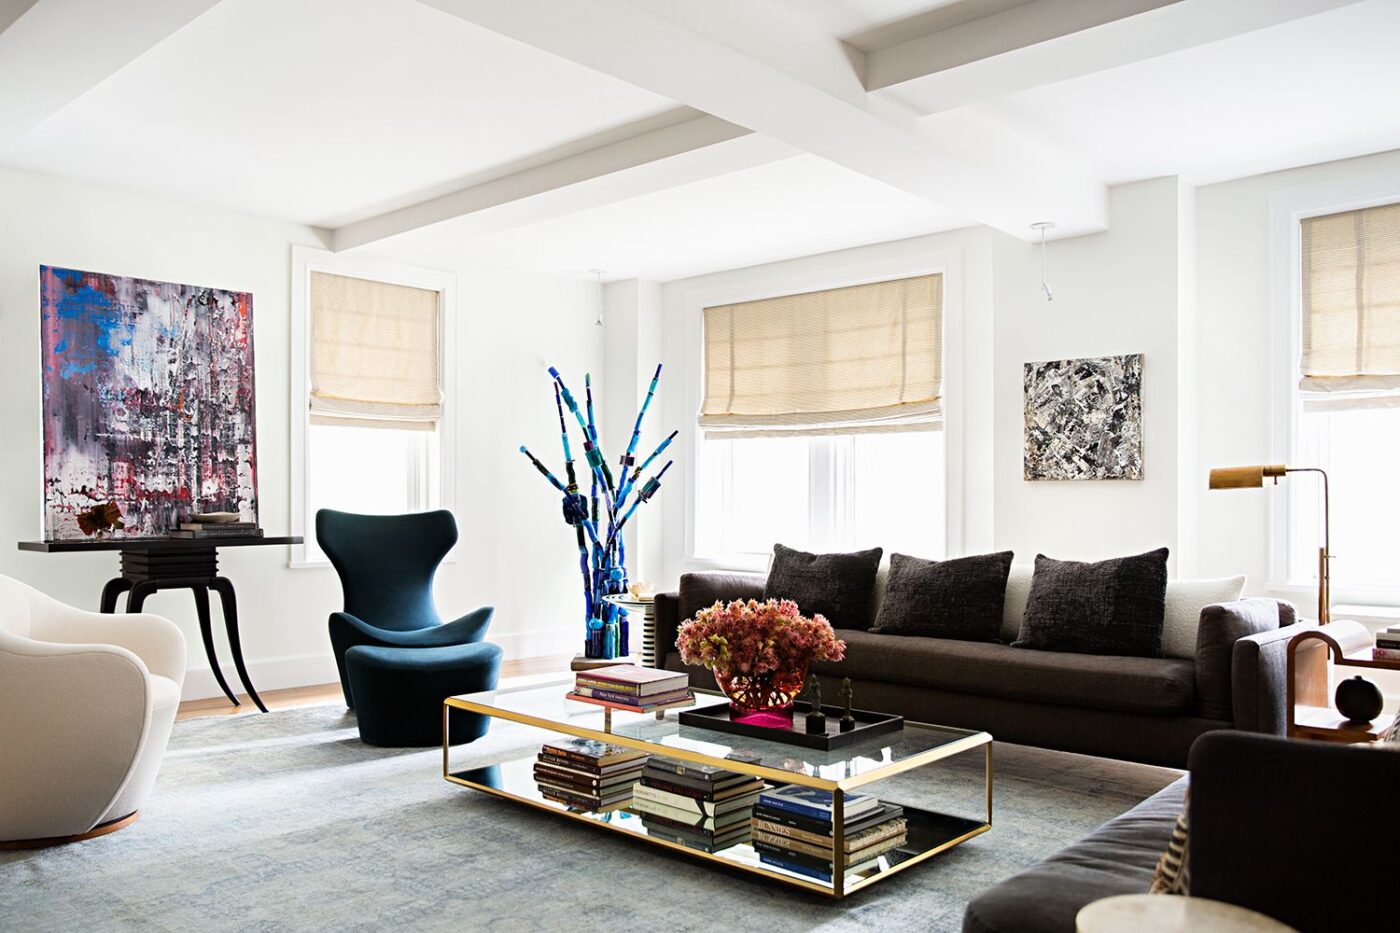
column 87, row 702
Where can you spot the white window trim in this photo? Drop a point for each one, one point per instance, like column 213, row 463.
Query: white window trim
column 839, row 274
column 1287, row 211
column 306, row 260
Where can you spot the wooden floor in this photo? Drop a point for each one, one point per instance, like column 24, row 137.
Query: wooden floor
column 325, row 694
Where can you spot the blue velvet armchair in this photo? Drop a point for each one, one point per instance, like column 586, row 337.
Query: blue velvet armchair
column 386, row 565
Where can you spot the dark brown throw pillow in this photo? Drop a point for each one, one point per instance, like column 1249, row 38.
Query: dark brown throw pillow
column 1111, row 607
column 838, row 586
column 960, row 598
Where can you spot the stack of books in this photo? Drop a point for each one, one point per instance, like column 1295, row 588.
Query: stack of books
column 193, row 529
column 792, row 830
column 699, row 806
column 588, row 775
column 640, row 688
column 1387, row 644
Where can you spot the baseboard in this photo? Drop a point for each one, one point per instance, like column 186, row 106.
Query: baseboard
column 543, row 646
column 270, row 674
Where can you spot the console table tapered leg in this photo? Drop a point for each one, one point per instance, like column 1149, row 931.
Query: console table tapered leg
column 224, row 588
column 111, row 592
column 137, row 597
column 206, row 632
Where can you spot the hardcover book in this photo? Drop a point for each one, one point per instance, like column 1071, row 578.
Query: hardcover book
column 591, row 751
column 695, row 805
column 816, row 803
column 886, row 811
column 687, row 819
column 823, row 843
column 613, row 696
column 630, row 679
column 873, row 842
column 677, row 785
column 711, row 774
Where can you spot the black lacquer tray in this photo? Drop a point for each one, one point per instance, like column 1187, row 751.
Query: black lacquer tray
column 868, row 724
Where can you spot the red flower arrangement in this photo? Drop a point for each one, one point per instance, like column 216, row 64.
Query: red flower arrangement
column 760, row 652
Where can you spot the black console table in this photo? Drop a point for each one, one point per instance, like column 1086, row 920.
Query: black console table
column 151, row 564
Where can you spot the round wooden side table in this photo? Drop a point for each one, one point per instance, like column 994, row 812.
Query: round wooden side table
column 1171, row 913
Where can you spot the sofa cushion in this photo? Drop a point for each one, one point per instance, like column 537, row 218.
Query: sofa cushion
column 959, row 598
column 1141, row 685
column 702, row 590
column 1117, row 858
column 838, row 586
column 1182, row 619
column 1110, row 607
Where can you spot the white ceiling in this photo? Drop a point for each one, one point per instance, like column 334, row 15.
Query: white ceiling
column 325, row 111
column 793, row 207
column 1308, row 91
column 330, row 111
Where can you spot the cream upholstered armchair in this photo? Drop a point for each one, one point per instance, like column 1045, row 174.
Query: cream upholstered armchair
column 87, row 702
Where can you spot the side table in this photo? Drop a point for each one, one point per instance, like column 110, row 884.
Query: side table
column 1171, row 913
column 152, row 564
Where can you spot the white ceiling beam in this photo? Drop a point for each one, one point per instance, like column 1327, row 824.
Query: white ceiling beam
column 762, row 67
column 57, row 50
column 1046, row 41
column 686, row 147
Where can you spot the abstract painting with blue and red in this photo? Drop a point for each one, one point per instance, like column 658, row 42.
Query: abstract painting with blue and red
column 148, row 401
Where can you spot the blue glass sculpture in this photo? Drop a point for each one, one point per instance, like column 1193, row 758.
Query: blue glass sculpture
column 598, row 519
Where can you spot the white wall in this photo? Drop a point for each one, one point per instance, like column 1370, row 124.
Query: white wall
column 515, row 552
column 1238, row 297
column 1115, row 293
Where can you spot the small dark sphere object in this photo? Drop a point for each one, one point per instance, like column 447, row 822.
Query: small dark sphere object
column 816, row 724
column 1359, row 700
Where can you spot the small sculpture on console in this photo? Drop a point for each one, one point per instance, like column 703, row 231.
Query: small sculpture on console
column 848, row 722
column 816, row 719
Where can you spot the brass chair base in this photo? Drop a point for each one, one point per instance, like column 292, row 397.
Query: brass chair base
column 101, row 829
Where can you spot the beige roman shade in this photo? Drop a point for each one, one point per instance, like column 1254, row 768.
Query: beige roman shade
column 841, row 361
column 1351, row 309
column 376, row 359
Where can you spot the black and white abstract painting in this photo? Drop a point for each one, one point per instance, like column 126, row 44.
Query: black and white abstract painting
column 1084, row 418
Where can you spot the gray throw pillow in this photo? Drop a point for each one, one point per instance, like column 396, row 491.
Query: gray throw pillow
column 1111, row 607
column 960, row 598
column 838, row 586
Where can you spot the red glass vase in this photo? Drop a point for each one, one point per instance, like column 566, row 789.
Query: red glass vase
column 762, row 699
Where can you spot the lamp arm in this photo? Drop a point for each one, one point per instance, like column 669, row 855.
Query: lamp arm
column 1326, row 504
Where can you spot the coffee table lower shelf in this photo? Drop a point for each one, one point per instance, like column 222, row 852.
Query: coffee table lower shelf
column 929, row 833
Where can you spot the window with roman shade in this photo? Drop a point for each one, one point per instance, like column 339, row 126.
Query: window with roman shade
column 1351, row 309
column 841, row 361
column 376, row 357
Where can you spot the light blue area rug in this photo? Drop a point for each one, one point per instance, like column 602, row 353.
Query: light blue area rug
column 285, row 821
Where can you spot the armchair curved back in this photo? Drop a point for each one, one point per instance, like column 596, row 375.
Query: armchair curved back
column 386, row 563
column 16, row 607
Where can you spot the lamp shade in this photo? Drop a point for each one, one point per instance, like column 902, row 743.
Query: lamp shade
column 1245, row 477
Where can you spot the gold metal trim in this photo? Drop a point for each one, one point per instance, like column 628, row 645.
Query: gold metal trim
column 838, row 887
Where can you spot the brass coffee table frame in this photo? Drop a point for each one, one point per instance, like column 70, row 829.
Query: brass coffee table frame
column 935, row 842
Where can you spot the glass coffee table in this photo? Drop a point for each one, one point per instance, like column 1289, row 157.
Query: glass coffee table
column 839, row 772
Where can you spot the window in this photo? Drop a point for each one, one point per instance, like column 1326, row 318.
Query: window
column 369, row 424
column 1348, row 403
column 820, row 420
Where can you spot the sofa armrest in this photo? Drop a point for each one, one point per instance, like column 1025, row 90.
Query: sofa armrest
column 695, row 592
column 1259, row 679
column 1264, row 809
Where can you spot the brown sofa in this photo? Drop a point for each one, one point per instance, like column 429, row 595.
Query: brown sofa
column 1139, row 709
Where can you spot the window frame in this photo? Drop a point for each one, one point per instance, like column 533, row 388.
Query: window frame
column 837, row 274
column 306, row 260
column 1288, row 210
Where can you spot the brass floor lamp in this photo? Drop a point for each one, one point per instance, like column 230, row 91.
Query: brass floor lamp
column 1251, row 477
